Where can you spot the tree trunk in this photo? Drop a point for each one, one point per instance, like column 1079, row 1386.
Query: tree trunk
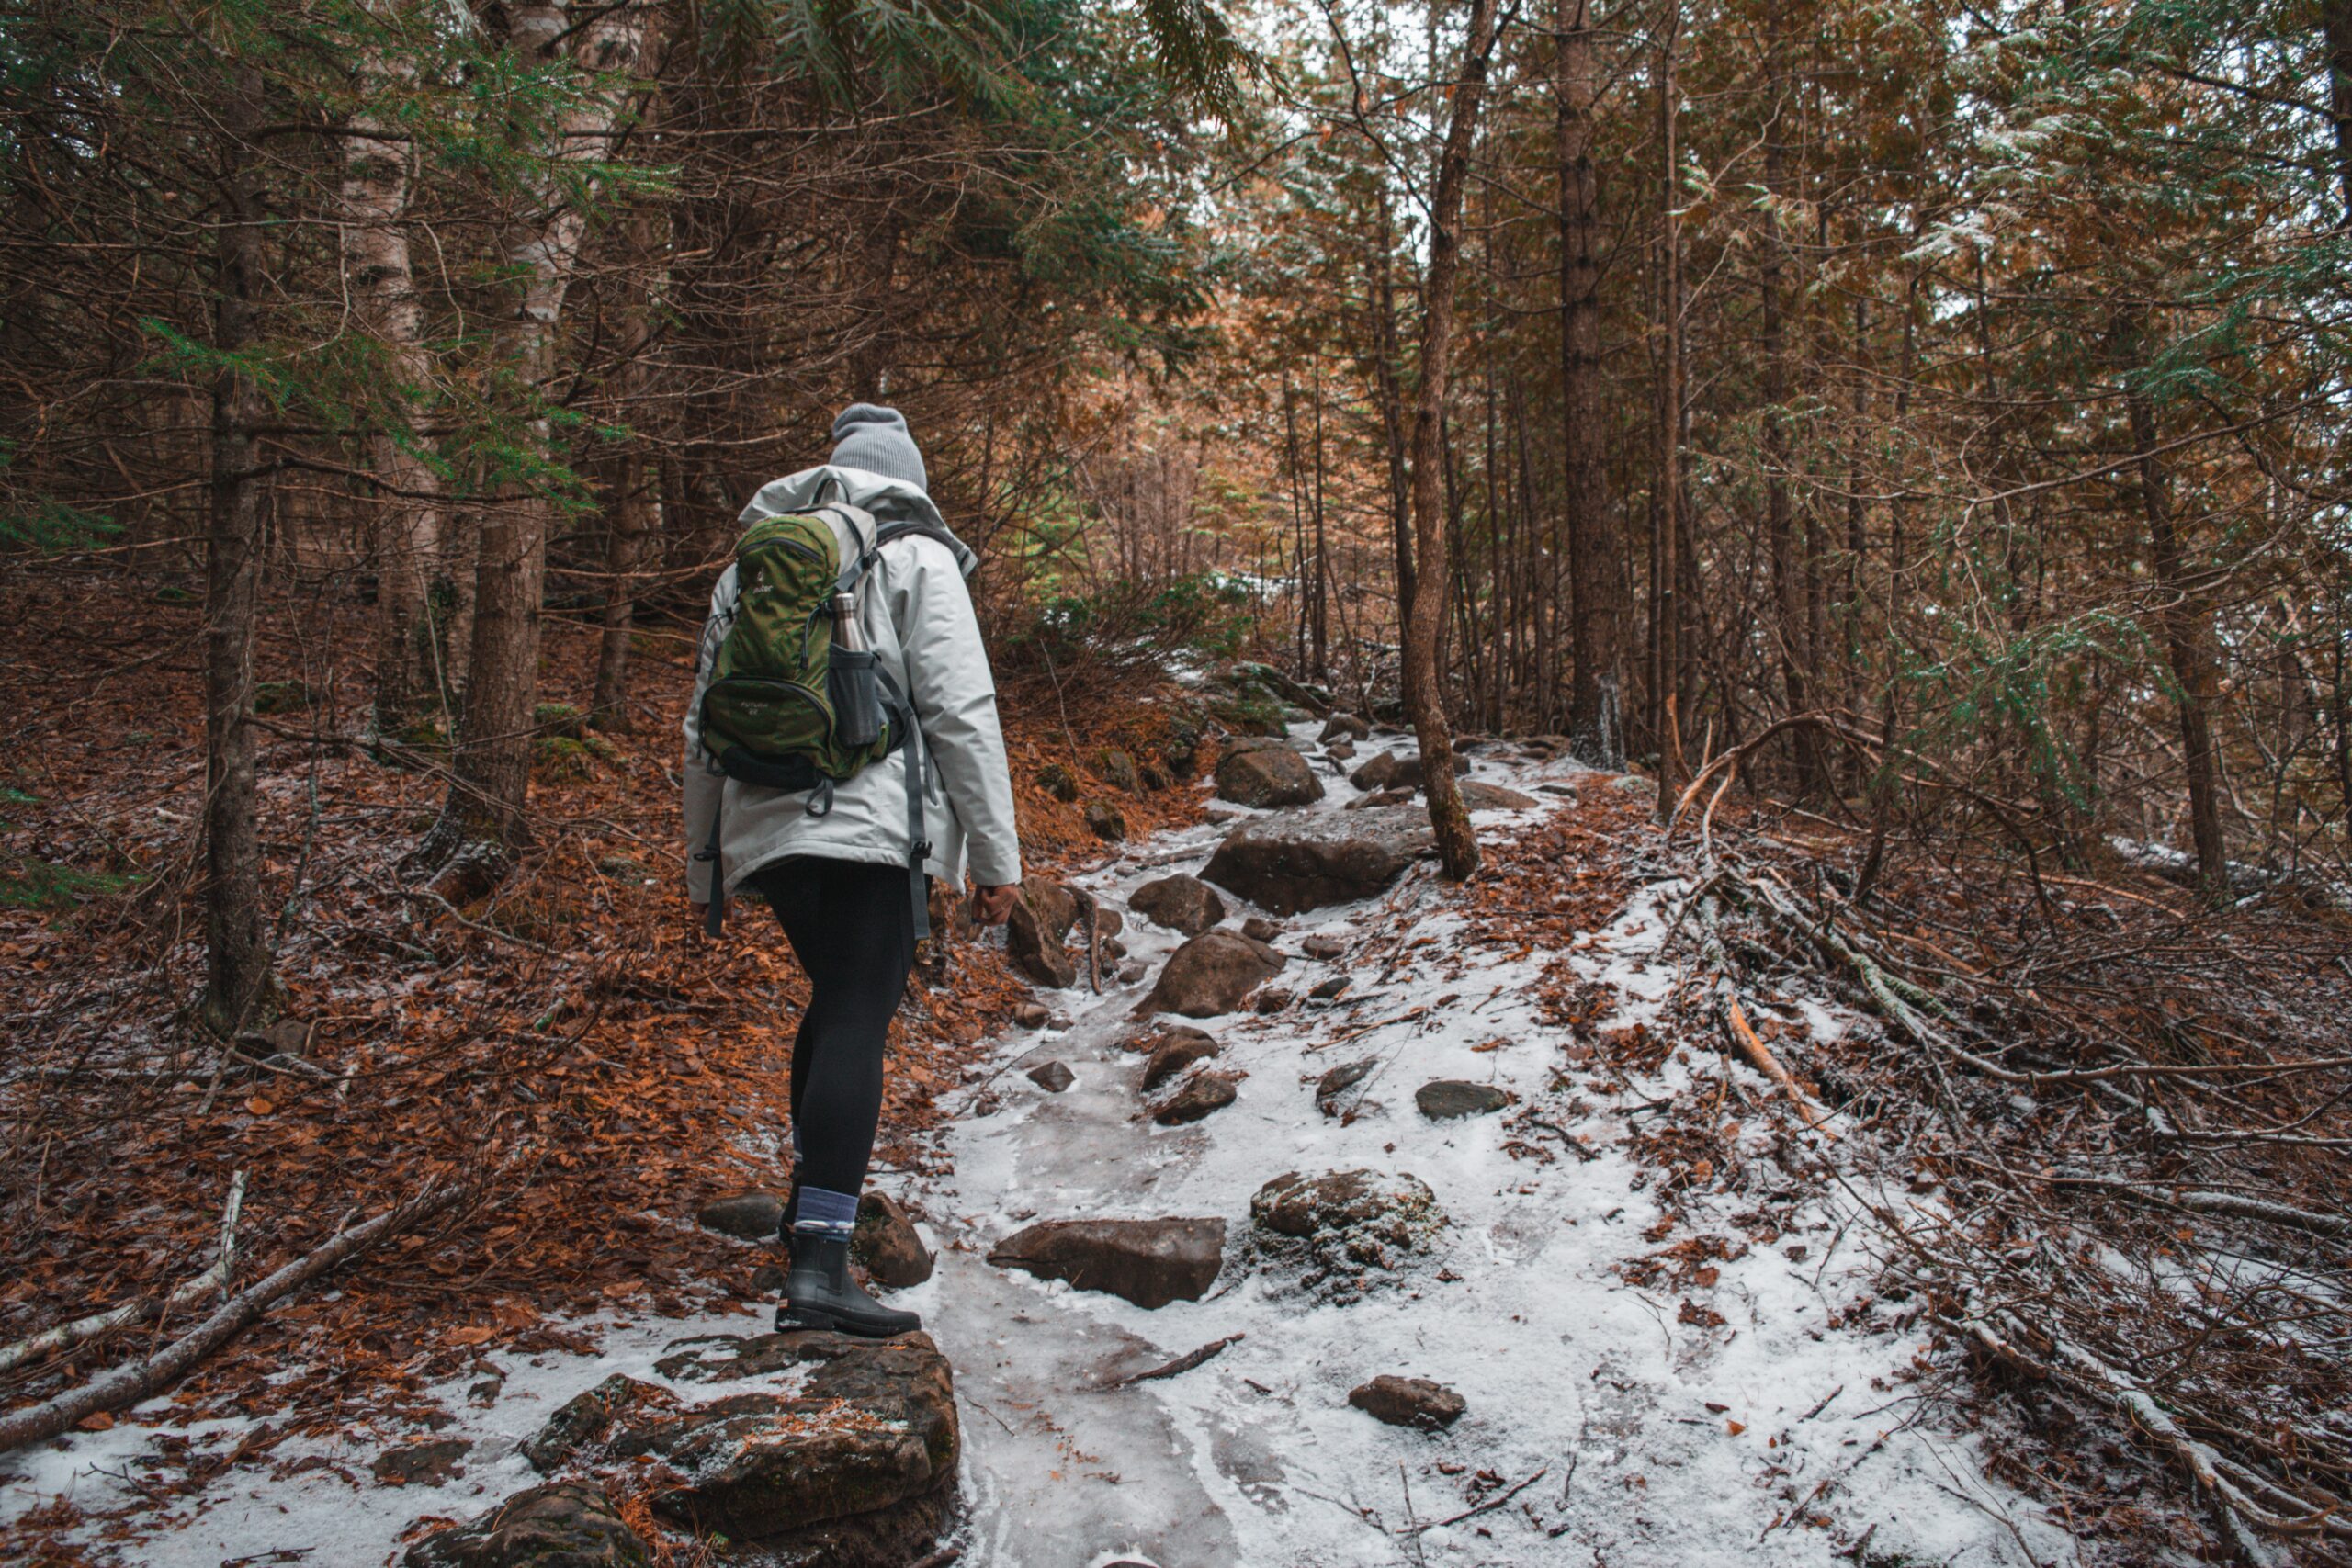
column 628, row 525
column 491, row 771
column 237, row 962
column 1666, row 440
column 1789, row 588
column 1385, row 354
column 2196, row 667
column 2336, row 22
column 1596, row 634
column 628, row 522
column 407, row 518
column 1457, row 846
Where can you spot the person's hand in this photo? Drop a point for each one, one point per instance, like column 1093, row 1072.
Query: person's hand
column 993, row 906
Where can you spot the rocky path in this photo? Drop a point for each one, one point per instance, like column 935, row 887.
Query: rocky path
column 1315, row 1238
column 1556, row 1411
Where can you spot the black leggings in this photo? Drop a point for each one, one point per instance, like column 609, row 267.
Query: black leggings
column 852, row 926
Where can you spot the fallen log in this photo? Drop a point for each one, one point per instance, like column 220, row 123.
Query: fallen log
column 120, row 1387
column 2002, row 1334
column 82, row 1330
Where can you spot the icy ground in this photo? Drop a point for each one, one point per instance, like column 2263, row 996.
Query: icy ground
column 1658, row 1442
column 1654, row 1437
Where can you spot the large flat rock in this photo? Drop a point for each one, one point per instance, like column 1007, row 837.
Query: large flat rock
column 1293, row 865
column 852, row 1468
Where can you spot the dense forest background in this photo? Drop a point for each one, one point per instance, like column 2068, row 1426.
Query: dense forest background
column 1948, row 395
column 1928, row 416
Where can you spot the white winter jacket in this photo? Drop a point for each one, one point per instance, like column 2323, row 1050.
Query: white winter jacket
column 918, row 616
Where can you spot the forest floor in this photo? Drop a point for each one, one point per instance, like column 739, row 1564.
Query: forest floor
column 1682, row 1308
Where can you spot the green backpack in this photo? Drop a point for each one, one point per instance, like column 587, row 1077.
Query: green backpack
column 795, row 701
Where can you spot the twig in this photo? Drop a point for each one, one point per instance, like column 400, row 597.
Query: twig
column 426, row 895
column 119, row 1387
column 1363, row 1029
column 84, row 1329
column 1487, row 1506
column 1183, row 1363
column 1763, row 1059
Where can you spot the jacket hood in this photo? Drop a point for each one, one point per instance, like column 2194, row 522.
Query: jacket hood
column 889, row 500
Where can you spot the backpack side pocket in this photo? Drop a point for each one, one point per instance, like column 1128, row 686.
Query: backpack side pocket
column 856, row 697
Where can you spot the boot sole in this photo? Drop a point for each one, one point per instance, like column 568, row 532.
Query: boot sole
column 818, row 1318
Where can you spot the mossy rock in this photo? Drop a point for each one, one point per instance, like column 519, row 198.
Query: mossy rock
column 1181, row 751
column 1055, row 781
column 1249, row 712
column 560, row 721
column 281, row 697
column 560, row 759
column 1117, row 768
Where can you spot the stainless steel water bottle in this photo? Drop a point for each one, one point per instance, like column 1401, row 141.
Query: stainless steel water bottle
column 848, row 633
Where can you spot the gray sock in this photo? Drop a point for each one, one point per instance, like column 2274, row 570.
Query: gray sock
column 830, row 1216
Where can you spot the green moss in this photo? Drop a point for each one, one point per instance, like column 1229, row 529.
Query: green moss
column 32, row 884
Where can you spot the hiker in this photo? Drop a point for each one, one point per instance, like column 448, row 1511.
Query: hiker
column 856, row 665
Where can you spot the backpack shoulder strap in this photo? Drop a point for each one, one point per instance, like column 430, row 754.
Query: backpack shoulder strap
column 889, row 531
column 854, row 571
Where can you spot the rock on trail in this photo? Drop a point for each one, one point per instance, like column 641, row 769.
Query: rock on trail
column 845, row 1456
column 1293, row 864
column 1269, row 774
column 1211, row 974
column 1149, row 1262
column 1409, row 1401
column 570, row 1524
column 1182, row 903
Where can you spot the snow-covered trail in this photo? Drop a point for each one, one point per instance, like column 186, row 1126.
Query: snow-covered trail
column 1659, row 1441
column 1769, row 1437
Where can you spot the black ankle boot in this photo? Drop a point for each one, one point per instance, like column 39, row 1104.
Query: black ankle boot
column 818, row 1293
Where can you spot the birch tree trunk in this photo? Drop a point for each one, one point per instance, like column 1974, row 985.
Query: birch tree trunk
column 407, row 524
column 490, row 772
column 237, row 961
column 1457, row 845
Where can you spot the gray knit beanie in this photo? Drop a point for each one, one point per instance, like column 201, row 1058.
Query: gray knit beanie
column 876, row 439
